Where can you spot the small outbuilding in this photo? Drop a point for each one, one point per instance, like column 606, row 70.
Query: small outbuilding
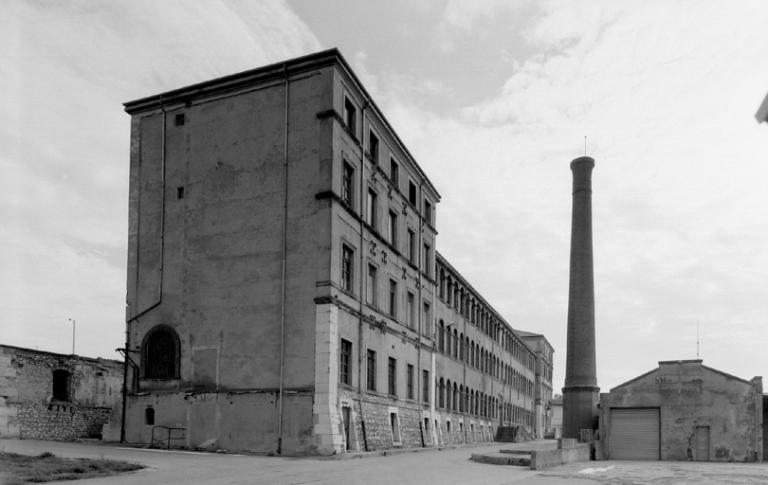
column 683, row 410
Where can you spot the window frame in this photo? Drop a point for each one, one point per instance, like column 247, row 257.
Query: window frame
column 370, row 370
column 345, row 362
column 347, row 267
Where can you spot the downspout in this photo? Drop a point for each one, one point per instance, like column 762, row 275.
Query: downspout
column 363, row 276
column 419, row 304
column 282, row 269
column 125, row 386
column 162, row 260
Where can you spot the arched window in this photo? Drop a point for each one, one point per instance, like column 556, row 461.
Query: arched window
column 160, row 354
column 455, row 344
column 448, row 395
column 441, row 338
column 442, row 284
column 472, row 352
column 62, row 385
column 441, row 393
column 455, row 396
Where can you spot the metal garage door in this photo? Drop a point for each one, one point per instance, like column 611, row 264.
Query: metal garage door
column 634, row 434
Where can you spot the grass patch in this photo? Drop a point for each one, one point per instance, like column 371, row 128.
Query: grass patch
column 47, row 467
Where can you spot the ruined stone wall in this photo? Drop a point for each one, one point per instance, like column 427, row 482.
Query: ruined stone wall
column 61, row 422
column 30, row 410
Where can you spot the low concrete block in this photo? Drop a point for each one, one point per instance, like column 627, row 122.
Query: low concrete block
column 502, row 459
column 542, row 459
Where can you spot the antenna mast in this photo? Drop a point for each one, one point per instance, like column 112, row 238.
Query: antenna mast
column 697, row 340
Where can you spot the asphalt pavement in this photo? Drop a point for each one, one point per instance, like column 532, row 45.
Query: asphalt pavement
column 448, row 466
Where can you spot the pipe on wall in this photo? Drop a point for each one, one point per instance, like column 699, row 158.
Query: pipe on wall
column 283, row 266
column 361, row 198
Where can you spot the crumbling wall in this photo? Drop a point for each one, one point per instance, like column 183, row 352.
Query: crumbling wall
column 29, row 408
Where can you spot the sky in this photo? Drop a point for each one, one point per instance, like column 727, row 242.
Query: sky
column 493, row 97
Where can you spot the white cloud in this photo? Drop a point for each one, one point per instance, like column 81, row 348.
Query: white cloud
column 66, row 69
column 665, row 93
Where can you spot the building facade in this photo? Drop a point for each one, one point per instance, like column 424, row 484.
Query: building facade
column 284, row 289
column 49, row 396
column 683, row 410
column 543, row 382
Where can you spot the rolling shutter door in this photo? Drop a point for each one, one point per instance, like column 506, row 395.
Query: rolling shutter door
column 634, row 434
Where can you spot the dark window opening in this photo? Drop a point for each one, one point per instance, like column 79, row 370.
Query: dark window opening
column 62, row 385
column 347, row 257
column 373, row 146
column 345, row 366
column 347, row 181
column 394, row 172
column 179, row 119
column 179, row 192
column 371, row 370
column 160, row 354
column 149, row 416
column 392, row 377
column 412, row 193
column 350, row 113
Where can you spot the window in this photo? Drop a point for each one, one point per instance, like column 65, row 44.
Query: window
column 392, row 227
column 410, row 316
column 371, row 370
column 393, row 298
column 62, row 385
column 395, row 425
column 347, row 258
column 347, row 184
column 427, row 211
column 425, row 385
column 160, row 354
column 392, row 377
column 441, row 337
column 411, row 246
column 373, row 146
column 149, row 416
column 427, row 323
column 427, row 260
column 350, row 115
column 412, row 193
column 370, row 215
column 394, row 172
column 409, row 381
column 371, row 287
column 345, row 362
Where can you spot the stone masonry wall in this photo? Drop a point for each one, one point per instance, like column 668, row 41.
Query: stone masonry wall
column 91, row 395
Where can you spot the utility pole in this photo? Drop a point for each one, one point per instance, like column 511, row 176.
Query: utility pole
column 73, row 334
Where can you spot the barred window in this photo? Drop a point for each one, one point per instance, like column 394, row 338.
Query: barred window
column 160, row 354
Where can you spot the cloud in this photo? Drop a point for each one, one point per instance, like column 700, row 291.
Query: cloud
column 66, row 69
column 665, row 93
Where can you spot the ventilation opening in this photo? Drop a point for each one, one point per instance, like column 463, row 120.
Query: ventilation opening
column 149, row 416
column 179, row 119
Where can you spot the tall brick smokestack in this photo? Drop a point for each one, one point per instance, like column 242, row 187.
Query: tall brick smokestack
column 580, row 394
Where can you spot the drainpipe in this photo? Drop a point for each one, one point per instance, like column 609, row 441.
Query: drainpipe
column 282, row 269
column 162, row 260
column 363, row 276
column 419, row 303
column 125, row 387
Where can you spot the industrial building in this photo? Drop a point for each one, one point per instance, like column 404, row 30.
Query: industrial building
column 683, row 410
column 285, row 293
